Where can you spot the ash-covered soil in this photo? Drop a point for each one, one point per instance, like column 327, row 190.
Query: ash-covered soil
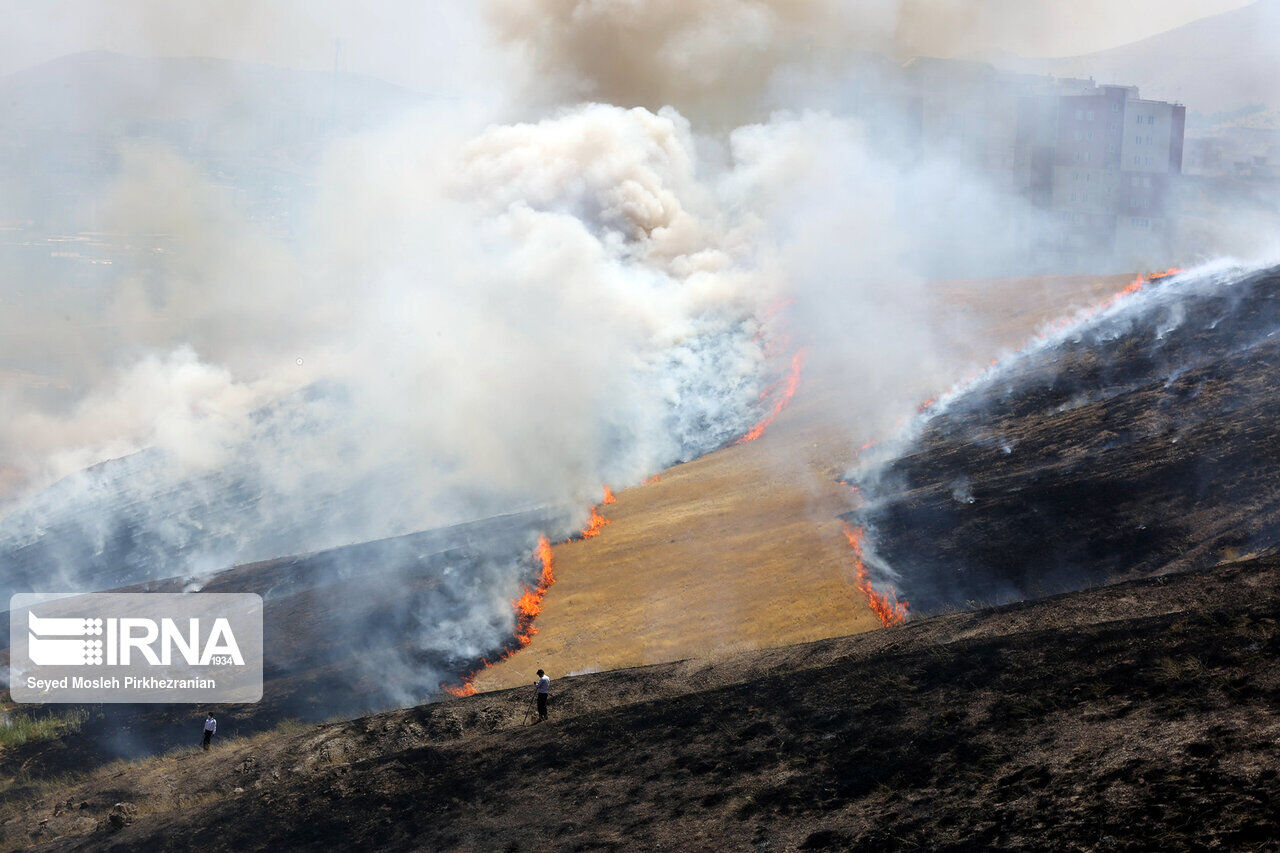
column 1144, row 440
column 1133, row 717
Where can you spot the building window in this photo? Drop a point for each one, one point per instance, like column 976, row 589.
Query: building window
column 1079, row 114
column 1151, row 119
column 1090, row 115
column 1137, row 161
column 1146, row 181
column 1115, row 108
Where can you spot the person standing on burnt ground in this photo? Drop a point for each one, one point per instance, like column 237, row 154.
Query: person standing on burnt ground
column 210, row 727
column 544, row 694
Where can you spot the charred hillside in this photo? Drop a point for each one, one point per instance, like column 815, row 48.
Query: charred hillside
column 1127, row 717
column 343, row 635
column 1144, row 439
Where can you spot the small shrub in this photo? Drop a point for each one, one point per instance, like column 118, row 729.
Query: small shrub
column 17, row 729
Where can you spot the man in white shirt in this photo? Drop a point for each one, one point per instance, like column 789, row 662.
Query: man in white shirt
column 544, row 690
column 210, row 726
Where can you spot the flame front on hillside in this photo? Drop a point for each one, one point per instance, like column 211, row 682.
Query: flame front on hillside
column 529, row 604
column 781, row 400
column 527, row 608
column 889, row 609
column 594, row 524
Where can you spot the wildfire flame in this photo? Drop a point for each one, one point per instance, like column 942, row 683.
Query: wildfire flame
column 594, row 525
column 608, row 496
column 788, row 391
column 527, row 607
column 889, row 609
column 1138, row 283
column 466, row 688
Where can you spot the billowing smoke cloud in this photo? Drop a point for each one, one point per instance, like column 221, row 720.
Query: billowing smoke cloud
column 475, row 324
column 711, row 58
column 441, row 333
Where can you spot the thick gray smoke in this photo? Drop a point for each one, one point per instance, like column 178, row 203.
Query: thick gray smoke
column 710, row 58
column 475, row 324
column 252, row 314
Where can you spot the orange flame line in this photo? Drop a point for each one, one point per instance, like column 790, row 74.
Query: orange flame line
column 527, row 607
column 793, row 383
column 594, row 525
column 1139, row 282
column 889, row 609
column 529, row 604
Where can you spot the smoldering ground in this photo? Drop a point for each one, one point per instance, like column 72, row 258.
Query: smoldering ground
column 1138, row 440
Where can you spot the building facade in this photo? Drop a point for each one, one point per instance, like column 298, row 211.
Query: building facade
column 1098, row 161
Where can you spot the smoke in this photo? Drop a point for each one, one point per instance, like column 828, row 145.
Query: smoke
column 310, row 314
column 712, row 58
column 473, row 323
column 1129, row 442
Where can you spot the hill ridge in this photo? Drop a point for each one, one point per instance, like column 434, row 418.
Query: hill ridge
column 1029, row 723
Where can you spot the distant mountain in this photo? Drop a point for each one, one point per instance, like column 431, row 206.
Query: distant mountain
column 1212, row 65
column 101, row 92
column 258, row 127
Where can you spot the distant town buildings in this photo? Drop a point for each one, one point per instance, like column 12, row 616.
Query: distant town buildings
column 1234, row 151
column 1099, row 160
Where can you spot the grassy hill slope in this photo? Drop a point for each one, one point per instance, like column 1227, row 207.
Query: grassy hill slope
column 1124, row 717
column 743, row 548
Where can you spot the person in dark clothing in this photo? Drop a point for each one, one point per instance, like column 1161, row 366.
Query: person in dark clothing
column 210, row 726
column 544, row 691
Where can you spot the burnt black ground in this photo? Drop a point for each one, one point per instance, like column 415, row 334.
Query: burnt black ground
column 1146, row 441
column 333, row 621
column 1132, row 717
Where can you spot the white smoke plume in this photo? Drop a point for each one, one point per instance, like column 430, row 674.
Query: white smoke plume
column 474, row 323
column 470, row 311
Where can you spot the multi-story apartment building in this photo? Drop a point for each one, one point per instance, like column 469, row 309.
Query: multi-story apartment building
column 1097, row 159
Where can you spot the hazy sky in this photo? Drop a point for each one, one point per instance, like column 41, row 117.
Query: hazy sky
column 1053, row 27
column 432, row 44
